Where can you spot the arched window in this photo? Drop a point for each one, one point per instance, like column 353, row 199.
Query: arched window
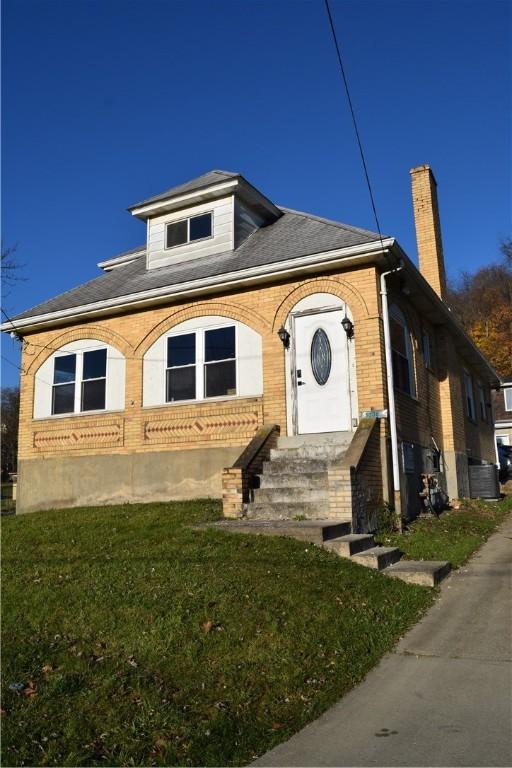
column 83, row 376
column 402, row 352
column 207, row 358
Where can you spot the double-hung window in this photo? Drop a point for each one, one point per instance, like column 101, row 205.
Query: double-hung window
column 401, row 352
column 470, row 400
column 79, row 382
column 189, row 230
column 201, row 364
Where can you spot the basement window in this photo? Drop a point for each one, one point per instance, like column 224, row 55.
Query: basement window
column 189, row 230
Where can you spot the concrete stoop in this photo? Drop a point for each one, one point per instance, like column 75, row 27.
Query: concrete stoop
column 335, row 536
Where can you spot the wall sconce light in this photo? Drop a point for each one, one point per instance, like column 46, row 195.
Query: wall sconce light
column 284, row 336
column 348, row 327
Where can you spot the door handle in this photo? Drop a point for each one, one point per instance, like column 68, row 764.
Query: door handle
column 300, row 383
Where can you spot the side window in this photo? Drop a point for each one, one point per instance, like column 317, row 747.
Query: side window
column 470, row 400
column 507, row 393
column 482, row 402
column 426, row 343
column 402, row 352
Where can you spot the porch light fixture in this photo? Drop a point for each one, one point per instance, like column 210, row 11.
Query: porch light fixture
column 284, row 336
column 348, row 327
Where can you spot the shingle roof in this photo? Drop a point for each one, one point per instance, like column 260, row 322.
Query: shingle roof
column 293, row 235
column 206, row 180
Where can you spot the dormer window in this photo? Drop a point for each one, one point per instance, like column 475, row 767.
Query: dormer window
column 188, row 230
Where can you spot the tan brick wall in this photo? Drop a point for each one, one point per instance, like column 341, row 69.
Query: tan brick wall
column 222, row 423
column 439, row 410
column 232, row 423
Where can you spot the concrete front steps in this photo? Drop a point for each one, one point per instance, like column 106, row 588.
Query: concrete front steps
column 361, row 548
column 294, row 482
column 336, row 536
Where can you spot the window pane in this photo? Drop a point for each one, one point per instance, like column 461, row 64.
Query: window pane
column 220, row 379
column 64, row 370
column 401, row 376
column 95, row 364
column 201, row 226
column 397, row 333
column 181, row 350
column 508, row 399
column 220, row 344
column 181, row 384
column 93, row 395
column 176, row 234
column 63, row 400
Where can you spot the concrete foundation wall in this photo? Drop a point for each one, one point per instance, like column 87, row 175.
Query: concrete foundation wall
column 115, row 479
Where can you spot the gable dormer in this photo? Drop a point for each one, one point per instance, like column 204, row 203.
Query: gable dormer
column 207, row 216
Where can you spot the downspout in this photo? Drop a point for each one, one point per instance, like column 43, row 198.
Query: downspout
column 391, row 394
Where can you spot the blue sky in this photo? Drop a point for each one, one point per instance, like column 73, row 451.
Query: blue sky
column 106, row 103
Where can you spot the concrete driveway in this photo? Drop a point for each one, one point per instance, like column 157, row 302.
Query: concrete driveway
column 443, row 697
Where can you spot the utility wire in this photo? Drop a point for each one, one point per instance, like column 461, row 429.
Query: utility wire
column 14, row 365
column 354, row 121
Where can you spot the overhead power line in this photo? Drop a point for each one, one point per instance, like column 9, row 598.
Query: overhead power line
column 354, row 121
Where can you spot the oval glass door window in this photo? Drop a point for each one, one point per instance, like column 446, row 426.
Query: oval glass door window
column 321, row 356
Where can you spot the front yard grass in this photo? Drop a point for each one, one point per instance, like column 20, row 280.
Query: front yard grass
column 141, row 641
column 453, row 536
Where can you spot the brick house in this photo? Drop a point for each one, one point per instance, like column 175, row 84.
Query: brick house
column 241, row 334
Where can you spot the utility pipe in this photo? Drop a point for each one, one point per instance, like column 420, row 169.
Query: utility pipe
column 391, row 393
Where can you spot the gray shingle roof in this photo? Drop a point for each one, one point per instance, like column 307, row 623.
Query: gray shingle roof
column 200, row 182
column 293, row 235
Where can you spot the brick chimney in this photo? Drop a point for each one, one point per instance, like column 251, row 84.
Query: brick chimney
column 428, row 228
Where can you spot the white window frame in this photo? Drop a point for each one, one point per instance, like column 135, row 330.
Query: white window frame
column 79, row 380
column 398, row 316
column 507, row 395
column 200, row 363
column 188, row 241
column 469, row 395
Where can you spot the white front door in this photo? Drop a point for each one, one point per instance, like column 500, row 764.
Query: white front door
column 321, row 373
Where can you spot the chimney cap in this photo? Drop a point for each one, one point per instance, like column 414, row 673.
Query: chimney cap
column 422, row 169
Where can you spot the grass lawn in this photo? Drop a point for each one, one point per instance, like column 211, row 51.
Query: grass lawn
column 143, row 642
column 454, row 536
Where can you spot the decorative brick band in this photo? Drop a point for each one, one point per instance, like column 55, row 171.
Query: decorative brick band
column 238, row 422
column 105, row 434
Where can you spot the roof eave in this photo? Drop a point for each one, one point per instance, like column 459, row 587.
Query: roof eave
column 479, row 360
column 372, row 252
column 238, row 185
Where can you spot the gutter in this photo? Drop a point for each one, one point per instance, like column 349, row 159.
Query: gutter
column 391, row 393
column 260, row 273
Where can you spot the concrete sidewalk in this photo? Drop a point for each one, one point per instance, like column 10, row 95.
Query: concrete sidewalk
column 443, row 697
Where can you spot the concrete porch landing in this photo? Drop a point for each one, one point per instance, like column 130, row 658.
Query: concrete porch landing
column 313, row 531
column 336, row 536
